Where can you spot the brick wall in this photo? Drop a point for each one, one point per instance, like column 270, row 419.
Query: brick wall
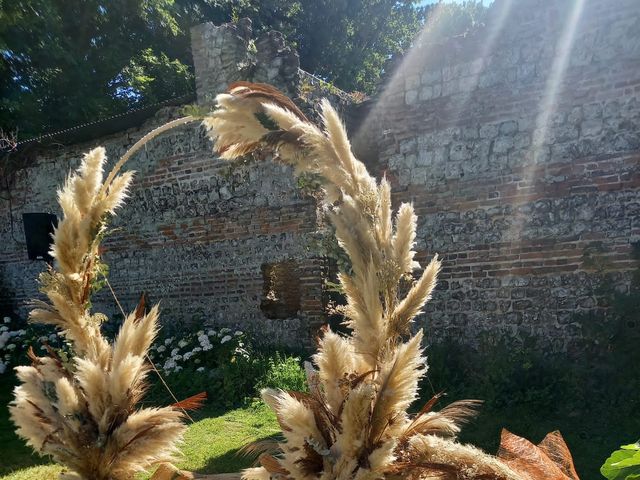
column 197, row 230
column 518, row 147
column 520, row 150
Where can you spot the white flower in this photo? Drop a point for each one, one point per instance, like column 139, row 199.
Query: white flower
column 43, row 338
column 174, row 352
column 7, row 320
column 177, row 357
column 188, row 355
column 182, row 344
column 3, row 339
column 196, row 350
column 169, row 364
column 53, row 337
column 200, row 369
column 11, row 346
column 161, row 348
column 206, row 348
column 238, row 333
column 242, row 352
column 4, row 328
column 224, row 330
column 168, row 341
column 200, row 332
column 212, row 333
column 21, row 332
column 225, row 339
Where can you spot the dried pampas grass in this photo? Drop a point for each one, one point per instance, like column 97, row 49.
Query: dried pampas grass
column 86, row 415
column 354, row 424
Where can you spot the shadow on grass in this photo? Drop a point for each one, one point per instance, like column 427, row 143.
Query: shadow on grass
column 15, row 453
column 232, row 461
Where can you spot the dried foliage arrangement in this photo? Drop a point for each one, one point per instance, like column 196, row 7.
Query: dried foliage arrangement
column 85, row 414
column 353, row 423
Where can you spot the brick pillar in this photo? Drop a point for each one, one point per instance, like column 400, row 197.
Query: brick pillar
column 313, row 272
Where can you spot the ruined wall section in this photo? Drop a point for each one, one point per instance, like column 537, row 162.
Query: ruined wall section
column 227, row 53
column 519, row 146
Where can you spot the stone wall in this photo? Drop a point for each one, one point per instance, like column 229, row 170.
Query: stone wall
column 197, row 232
column 519, row 146
column 227, row 53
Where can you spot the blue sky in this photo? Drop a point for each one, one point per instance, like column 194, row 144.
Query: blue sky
column 427, row 2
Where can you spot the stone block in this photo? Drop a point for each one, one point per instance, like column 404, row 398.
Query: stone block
column 411, row 97
column 591, row 127
column 426, row 93
column 502, row 145
column 488, row 131
column 509, row 127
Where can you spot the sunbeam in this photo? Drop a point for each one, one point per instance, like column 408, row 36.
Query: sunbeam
column 418, row 54
column 480, row 64
column 429, row 44
column 548, row 107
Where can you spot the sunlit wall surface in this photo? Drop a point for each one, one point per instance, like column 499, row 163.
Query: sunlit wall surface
column 519, row 146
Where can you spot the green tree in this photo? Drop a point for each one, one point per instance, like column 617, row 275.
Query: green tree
column 68, row 62
column 350, row 41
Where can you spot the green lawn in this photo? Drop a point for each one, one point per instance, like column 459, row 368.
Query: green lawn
column 210, row 445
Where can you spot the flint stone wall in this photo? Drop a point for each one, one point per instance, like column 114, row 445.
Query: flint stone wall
column 197, row 230
column 519, row 147
column 518, row 144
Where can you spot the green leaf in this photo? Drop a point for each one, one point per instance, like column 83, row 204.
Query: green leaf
column 621, row 465
column 629, row 462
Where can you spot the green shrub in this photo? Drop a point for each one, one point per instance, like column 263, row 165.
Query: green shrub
column 283, row 372
column 591, row 397
column 223, row 362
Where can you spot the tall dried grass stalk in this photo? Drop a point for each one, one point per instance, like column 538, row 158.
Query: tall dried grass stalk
column 85, row 415
column 354, row 424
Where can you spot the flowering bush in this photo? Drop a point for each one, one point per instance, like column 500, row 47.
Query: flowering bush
column 202, row 351
column 222, row 361
column 16, row 339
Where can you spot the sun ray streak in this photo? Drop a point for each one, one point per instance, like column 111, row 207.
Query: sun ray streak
column 481, row 63
column 419, row 53
column 546, row 111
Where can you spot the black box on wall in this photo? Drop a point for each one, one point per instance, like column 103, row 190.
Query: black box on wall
column 38, row 228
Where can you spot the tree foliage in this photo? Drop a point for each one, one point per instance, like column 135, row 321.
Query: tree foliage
column 66, row 62
column 349, row 41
